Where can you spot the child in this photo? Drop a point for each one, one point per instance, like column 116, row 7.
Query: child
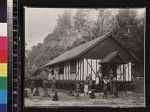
column 91, row 94
column 77, row 90
column 36, row 93
column 71, row 93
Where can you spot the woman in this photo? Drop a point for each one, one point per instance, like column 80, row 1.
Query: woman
column 115, row 90
column 105, row 87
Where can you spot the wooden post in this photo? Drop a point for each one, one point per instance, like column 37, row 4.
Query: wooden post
column 128, row 71
column 123, row 72
column 87, row 67
column 67, row 70
column 120, row 72
column 96, row 65
column 91, row 67
column 83, row 70
column 80, row 69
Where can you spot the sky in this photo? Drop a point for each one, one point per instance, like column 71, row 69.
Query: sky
column 39, row 22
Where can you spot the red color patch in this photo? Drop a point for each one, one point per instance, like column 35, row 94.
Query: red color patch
column 3, row 56
column 3, row 42
column 3, row 49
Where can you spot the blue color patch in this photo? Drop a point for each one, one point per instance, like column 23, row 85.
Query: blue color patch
column 3, row 96
column 3, row 108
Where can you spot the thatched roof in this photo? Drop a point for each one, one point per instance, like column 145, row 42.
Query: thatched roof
column 111, row 56
column 80, row 50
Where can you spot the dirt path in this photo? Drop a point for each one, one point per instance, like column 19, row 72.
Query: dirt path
column 126, row 99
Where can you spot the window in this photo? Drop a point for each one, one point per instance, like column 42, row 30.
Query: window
column 61, row 69
column 73, row 66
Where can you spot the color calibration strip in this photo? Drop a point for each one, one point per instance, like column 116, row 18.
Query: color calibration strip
column 3, row 67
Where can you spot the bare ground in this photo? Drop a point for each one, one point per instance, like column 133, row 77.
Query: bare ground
column 126, row 99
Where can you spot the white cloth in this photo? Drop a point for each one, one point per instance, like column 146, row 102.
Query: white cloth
column 105, row 81
column 85, row 88
column 97, row 80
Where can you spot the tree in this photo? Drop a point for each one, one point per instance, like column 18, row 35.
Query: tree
column 105, row 21
column 64, row 24
column 80, row 20
column 130, row 29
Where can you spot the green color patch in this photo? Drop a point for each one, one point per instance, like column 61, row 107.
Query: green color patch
column 3, row 83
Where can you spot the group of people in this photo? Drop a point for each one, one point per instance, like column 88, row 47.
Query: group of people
column 45, row 89
column 109, row 84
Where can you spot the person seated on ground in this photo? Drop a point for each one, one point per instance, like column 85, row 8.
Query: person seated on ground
column 105, row 87
column 91, row 94
column 71, row 93
column 55, row 97
column 36, row 93
column 46, row 94
column 26, row 93
column 115, row 90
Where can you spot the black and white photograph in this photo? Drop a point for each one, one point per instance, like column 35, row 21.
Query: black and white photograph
column 84, row 57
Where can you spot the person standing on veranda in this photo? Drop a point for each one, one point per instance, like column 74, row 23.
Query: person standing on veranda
column 105, row 87
column 98, row 77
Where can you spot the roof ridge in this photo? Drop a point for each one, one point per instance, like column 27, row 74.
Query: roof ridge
column 105, row 35
column 91, row 43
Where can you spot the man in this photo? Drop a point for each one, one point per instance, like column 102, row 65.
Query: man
column 105, row 87
column 53, row 84
column 32, row 85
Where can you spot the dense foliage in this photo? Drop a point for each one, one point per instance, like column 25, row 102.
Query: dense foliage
column 74, row 30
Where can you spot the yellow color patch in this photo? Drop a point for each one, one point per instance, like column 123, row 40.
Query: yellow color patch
column 3, row 69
